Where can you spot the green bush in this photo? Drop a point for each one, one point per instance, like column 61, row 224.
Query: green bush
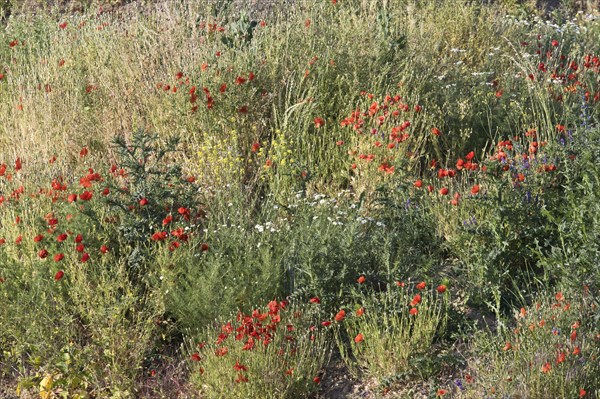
column 551, row 352
column 389, row 335
column 274, row 352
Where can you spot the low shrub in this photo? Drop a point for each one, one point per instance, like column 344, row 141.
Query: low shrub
column 275, row 352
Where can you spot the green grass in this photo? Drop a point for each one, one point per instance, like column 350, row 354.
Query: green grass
column 214, row 158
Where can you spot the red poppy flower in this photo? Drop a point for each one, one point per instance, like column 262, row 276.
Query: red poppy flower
column 83, row 152
column 436, row 131
column 325, row 323
column 560, row 358
column 315, row 300
column 441, row 288
column 319, row 122
column 443, row 191
column 416, row 300
column 546, row 367
column 413, row 311
column 85, row 257
column 63, row 25
column 221, row 351
column 559, row 296
column 582, row 393
column 104, row 249
column 18, row 164
column 239, row 80
column 359, row 338
column 204, row 247
column 340, row 316
column 159, row 236
column 239, row 367
column 58, row 257
column 241, row 378
column 418, row 184
column 43, row 253
column 317, row 380
column 249, row 344
column 360, row 312
column 59, row 274
column 38, row 238
column 85, row 196
column 61, row 237
column 475, row 189
column 143, row 202
column 361, row 280
column 421, row 285
column 507, row 346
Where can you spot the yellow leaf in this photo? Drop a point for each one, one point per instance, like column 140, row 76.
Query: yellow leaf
column 46, row 387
